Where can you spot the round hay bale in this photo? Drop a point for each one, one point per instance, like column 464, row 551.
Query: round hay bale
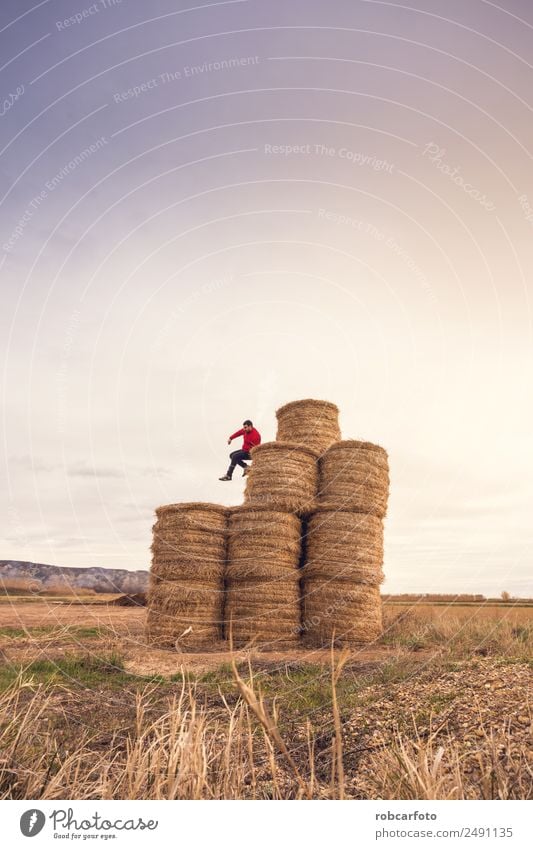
column 309, row 422
column 339, row 571
column 343, row 537
column 240, row 571
column 263, row 521
column 193, row 514
column 333, row 613
column 263, row 538
column 181, row 596
column 207, row 551
column 183, row 569
column 180, row 633
column 354, row 475
column 283, row 476
column 183, row 616
column 255, row 616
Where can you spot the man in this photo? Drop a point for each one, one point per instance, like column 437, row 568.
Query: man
column 251, row 437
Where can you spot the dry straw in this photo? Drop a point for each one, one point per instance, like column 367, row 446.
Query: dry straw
column 184, row 616
column 344, row 537
column 341, row 577
column 309, row 422
column 185, row 599
column 193, row 514
column 283, row 476
column 262, row 577
column 355, row 476
column 339, row 614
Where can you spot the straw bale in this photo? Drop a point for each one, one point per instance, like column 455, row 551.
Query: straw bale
column 267, row 539
column 334, row 612
column 184, row 616
column 262, row 575
column 187, row 536
column 193, row 571
column 182, row 597
column 354, row 475
column 283, row 476
column 250, row 616
column 309, row 422
column 341, row 536
column 282, row 594
column 193, row 514
column 247, row 570
column 263, row 521
column 181, row 633
column 335, row 570
column 201, row 552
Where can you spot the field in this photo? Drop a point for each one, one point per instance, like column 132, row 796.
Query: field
column 439, row 708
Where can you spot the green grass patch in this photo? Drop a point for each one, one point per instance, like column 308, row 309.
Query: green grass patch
column 81, row 670
column 76, row 631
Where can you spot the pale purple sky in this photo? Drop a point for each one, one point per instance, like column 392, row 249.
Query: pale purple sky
column 210, row 209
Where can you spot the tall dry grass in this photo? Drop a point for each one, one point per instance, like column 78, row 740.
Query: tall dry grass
column 427, row 768
column 187, row 752
column 193, row 751
column 459, row 636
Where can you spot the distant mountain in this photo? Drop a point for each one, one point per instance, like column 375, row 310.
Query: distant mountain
column 95, row 577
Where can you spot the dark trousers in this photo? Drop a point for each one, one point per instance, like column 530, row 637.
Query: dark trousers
column 237, row 458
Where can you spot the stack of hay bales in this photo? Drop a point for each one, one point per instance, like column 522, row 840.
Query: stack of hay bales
column 343, row 569
column 262, row 577
column 312, row 499
column 186, row 592
column 265, row 535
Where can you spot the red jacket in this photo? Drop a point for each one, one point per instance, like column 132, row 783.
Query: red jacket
column 250, row 439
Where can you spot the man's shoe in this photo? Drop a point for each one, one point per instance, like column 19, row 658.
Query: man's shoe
column 225, row 478
column 246, row 470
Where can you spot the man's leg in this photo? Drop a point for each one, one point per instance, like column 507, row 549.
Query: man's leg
column 240, row 457
column 231, row 467
column 237, row 459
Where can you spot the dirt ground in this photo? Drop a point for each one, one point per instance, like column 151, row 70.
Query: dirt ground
column 59, row 628
column 61, row 624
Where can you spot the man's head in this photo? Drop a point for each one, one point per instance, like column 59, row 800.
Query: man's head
column 247, row 425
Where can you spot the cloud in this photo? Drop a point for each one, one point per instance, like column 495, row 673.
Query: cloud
column 33, row 463
column 84, row 471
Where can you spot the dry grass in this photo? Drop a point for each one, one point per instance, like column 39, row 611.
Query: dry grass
column 450, row 720
column 460, row 632
column 434, row 768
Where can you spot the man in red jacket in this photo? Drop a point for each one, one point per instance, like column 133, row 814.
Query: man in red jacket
column 251, row 437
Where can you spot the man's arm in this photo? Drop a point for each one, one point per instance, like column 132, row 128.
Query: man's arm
column 234, row 435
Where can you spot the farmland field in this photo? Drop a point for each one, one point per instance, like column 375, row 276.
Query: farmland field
column 440, row 707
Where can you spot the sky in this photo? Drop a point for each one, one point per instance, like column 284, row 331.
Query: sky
column 209, row 209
